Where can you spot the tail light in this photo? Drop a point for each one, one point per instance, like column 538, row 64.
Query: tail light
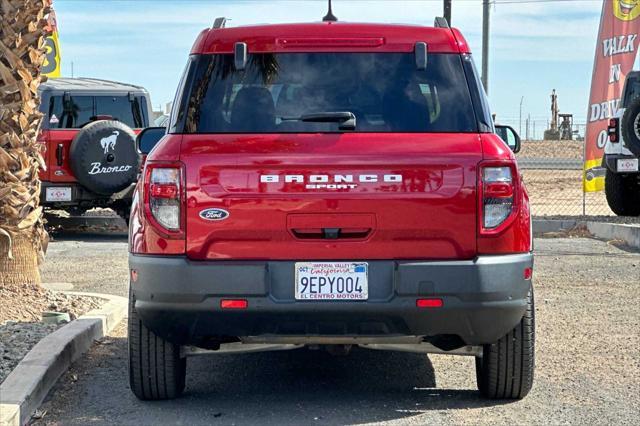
column 498, row 186
column 163, row 195
column 612, row 130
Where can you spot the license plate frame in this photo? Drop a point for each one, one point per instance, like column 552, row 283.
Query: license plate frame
column 62, row 193
column 627, row 165
column 331, row 281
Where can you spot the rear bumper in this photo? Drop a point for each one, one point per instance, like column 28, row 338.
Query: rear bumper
column 610, row 161
column 180, row 299
column 81, row 196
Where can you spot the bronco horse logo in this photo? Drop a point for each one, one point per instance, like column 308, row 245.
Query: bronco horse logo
column 109, row 143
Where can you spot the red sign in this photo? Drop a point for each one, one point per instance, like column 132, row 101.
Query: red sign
column 615, row 54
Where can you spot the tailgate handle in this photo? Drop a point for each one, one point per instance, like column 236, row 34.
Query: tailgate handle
column 331, row 233
column 60, row 154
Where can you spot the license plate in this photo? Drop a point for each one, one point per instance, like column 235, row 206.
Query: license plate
column 628, row 165
column 332, row 281
column 58, row 194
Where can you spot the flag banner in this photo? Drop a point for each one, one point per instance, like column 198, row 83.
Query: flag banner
column 615, row 55
column 51, row 66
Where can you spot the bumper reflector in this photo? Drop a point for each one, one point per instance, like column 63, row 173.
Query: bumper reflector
column 234, row 304
column 429, row 303
column 528, row 273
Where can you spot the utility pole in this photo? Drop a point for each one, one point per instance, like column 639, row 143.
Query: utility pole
column 520, row 128
column 447, row 11
column 485, row 44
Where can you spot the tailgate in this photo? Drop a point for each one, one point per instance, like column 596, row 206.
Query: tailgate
column 331, row 196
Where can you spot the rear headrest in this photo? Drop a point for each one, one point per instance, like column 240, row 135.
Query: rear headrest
column 253, row 110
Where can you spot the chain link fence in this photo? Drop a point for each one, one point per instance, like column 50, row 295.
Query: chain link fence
column 552, row 172
column 533, row 128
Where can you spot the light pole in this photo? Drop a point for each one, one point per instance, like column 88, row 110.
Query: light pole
column 447, row 11
column 520, row 121
column 485, row 44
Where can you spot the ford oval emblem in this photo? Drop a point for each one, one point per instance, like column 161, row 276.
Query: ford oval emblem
column 214, row 214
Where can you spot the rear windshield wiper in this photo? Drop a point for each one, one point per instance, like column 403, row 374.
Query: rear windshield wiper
column 346, row 119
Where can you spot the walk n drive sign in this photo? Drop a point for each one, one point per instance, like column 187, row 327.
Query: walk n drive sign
column 616, row 51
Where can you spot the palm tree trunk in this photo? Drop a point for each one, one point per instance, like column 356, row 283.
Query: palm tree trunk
column 22, row 235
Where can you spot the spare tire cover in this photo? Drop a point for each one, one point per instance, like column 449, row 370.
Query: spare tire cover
column 630, row 127
column 104, row 157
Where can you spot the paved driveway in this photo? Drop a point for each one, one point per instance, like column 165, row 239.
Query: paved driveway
column 588, row 363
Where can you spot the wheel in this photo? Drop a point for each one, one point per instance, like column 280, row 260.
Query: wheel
column 156, row 370
column 123, row 210
column 505, row 369
column 630, row 127
column 623, row 193
column 104, row 158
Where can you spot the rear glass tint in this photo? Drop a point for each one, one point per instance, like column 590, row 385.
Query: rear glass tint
column 385, row 91
column 631, row 89
column 76, row 111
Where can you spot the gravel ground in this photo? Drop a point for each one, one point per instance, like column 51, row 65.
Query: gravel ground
column 559, row 192
column 88, row 262
column 588, row 366
column 610, row 219
column 19, row 335
column 555, row 192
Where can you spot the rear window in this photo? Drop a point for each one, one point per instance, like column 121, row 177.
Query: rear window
column 385, row 91
column 76, row 111
column 631, row 89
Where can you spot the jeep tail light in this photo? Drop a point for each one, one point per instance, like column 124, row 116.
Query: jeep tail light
column 163, row 196
column 612, row 130
column 497, row 194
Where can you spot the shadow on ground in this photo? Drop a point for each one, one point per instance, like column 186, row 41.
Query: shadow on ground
column 291, row 387
column 85, row 228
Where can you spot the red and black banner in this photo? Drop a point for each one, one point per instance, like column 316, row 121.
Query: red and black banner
column 616, row 50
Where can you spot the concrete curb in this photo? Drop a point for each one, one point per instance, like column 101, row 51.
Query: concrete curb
column 542, row 226
column 26, row 387
column 630, row 234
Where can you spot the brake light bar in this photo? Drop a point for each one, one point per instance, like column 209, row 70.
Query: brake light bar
column 331, row 42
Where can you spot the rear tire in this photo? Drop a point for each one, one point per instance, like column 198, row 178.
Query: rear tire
column 123, row 210
column 623, row 193
column 505, row 370
column 156, row 370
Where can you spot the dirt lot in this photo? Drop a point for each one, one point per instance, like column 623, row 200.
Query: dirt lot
column 588, row 363
column 558, row 191
column 551, row 149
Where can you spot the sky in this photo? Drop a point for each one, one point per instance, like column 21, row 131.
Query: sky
column 535, row 46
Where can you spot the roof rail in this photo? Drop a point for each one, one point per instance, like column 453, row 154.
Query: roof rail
column 441, row 22
column 219, row 22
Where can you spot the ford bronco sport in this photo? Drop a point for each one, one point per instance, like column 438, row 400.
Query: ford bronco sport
column 90, row 150
column 331, row 184
column 622, row 152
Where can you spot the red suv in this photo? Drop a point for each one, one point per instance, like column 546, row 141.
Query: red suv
column 88, row 132
column 331, row 184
